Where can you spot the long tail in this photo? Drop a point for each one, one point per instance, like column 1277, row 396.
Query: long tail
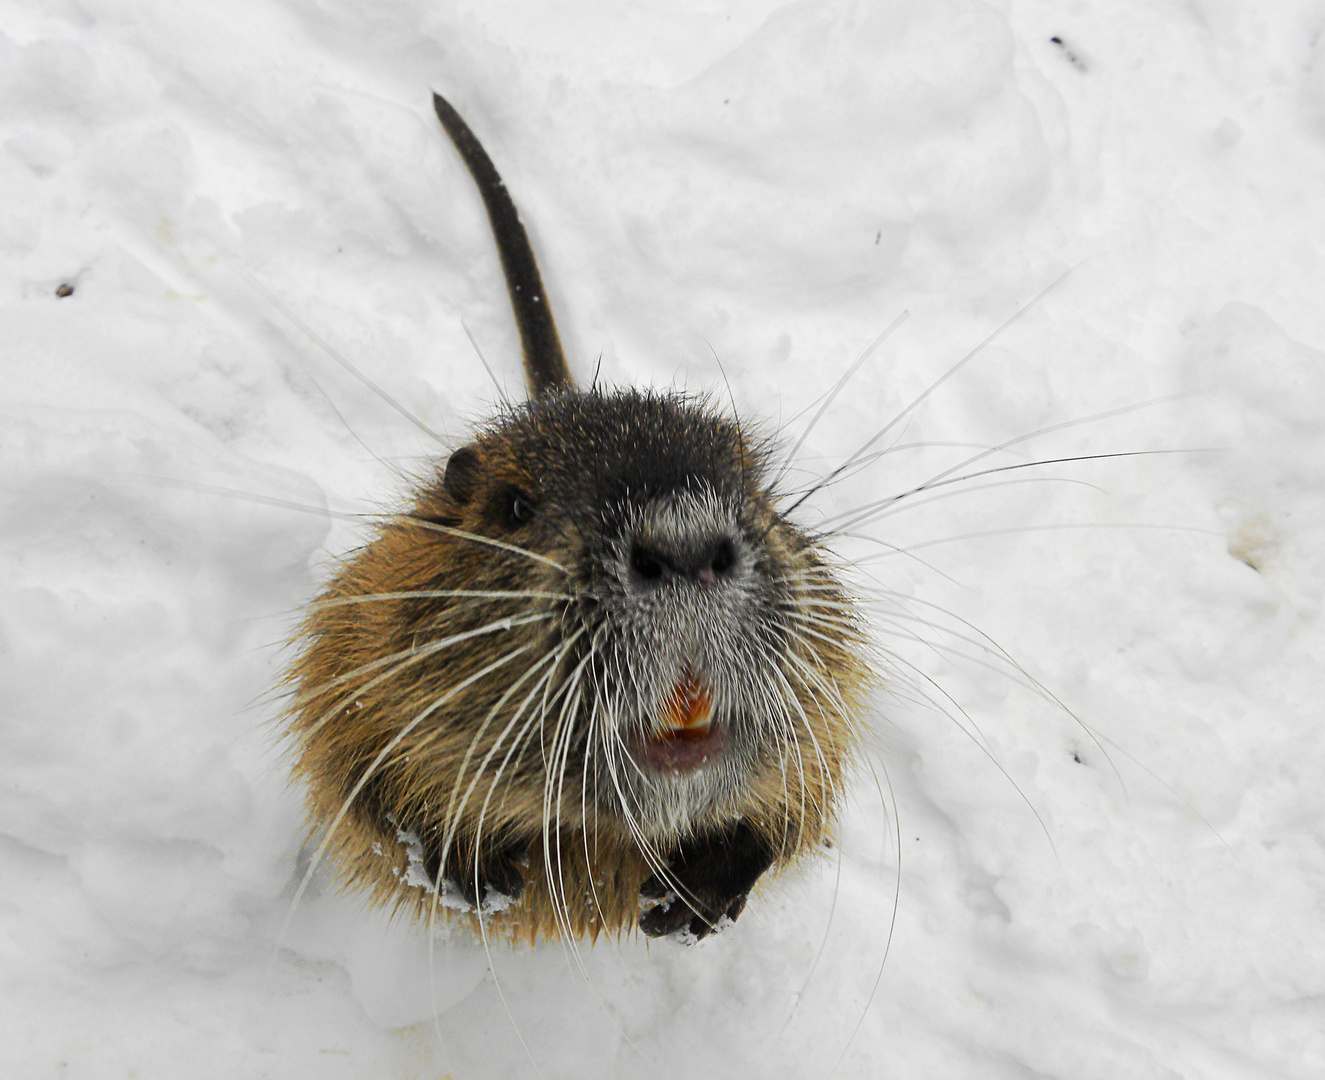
column 545, row 366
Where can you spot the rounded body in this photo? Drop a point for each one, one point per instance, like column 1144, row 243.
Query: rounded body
column 590, row 680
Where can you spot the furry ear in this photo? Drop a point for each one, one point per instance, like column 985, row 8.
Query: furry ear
column 460, row 480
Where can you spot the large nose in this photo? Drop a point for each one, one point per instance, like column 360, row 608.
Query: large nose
column 656, row 560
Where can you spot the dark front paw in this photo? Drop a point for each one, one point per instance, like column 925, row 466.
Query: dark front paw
column 691, row 919
column 487, row 883
column 494, row 882
column 705, row 885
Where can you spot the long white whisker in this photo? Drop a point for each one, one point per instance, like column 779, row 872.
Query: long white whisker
column 865, row 354
column 382, row 755
column 285, row 310
column 454, row 817
column 501, row 545
column 411, row 656
column 892, row 923
column 919, row 399
column 438, row 594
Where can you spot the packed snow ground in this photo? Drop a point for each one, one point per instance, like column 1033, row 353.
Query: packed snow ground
column 732, row 198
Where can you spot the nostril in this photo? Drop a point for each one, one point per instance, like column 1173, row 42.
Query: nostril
column 724, row 557
column 708, row 564
column 645, row 563
column 718, row 563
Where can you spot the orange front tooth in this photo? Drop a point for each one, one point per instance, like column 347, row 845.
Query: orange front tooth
column 689, row 707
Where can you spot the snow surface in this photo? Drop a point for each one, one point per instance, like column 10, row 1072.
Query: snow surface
column 1126, row 884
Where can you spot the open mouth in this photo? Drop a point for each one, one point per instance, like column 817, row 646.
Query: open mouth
column 685, row 736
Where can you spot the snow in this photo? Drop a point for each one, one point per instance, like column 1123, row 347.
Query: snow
column 1122, row 879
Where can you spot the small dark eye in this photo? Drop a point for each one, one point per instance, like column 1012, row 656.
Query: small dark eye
column 521, row 509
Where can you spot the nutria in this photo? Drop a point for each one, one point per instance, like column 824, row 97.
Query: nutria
column 591, row 679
